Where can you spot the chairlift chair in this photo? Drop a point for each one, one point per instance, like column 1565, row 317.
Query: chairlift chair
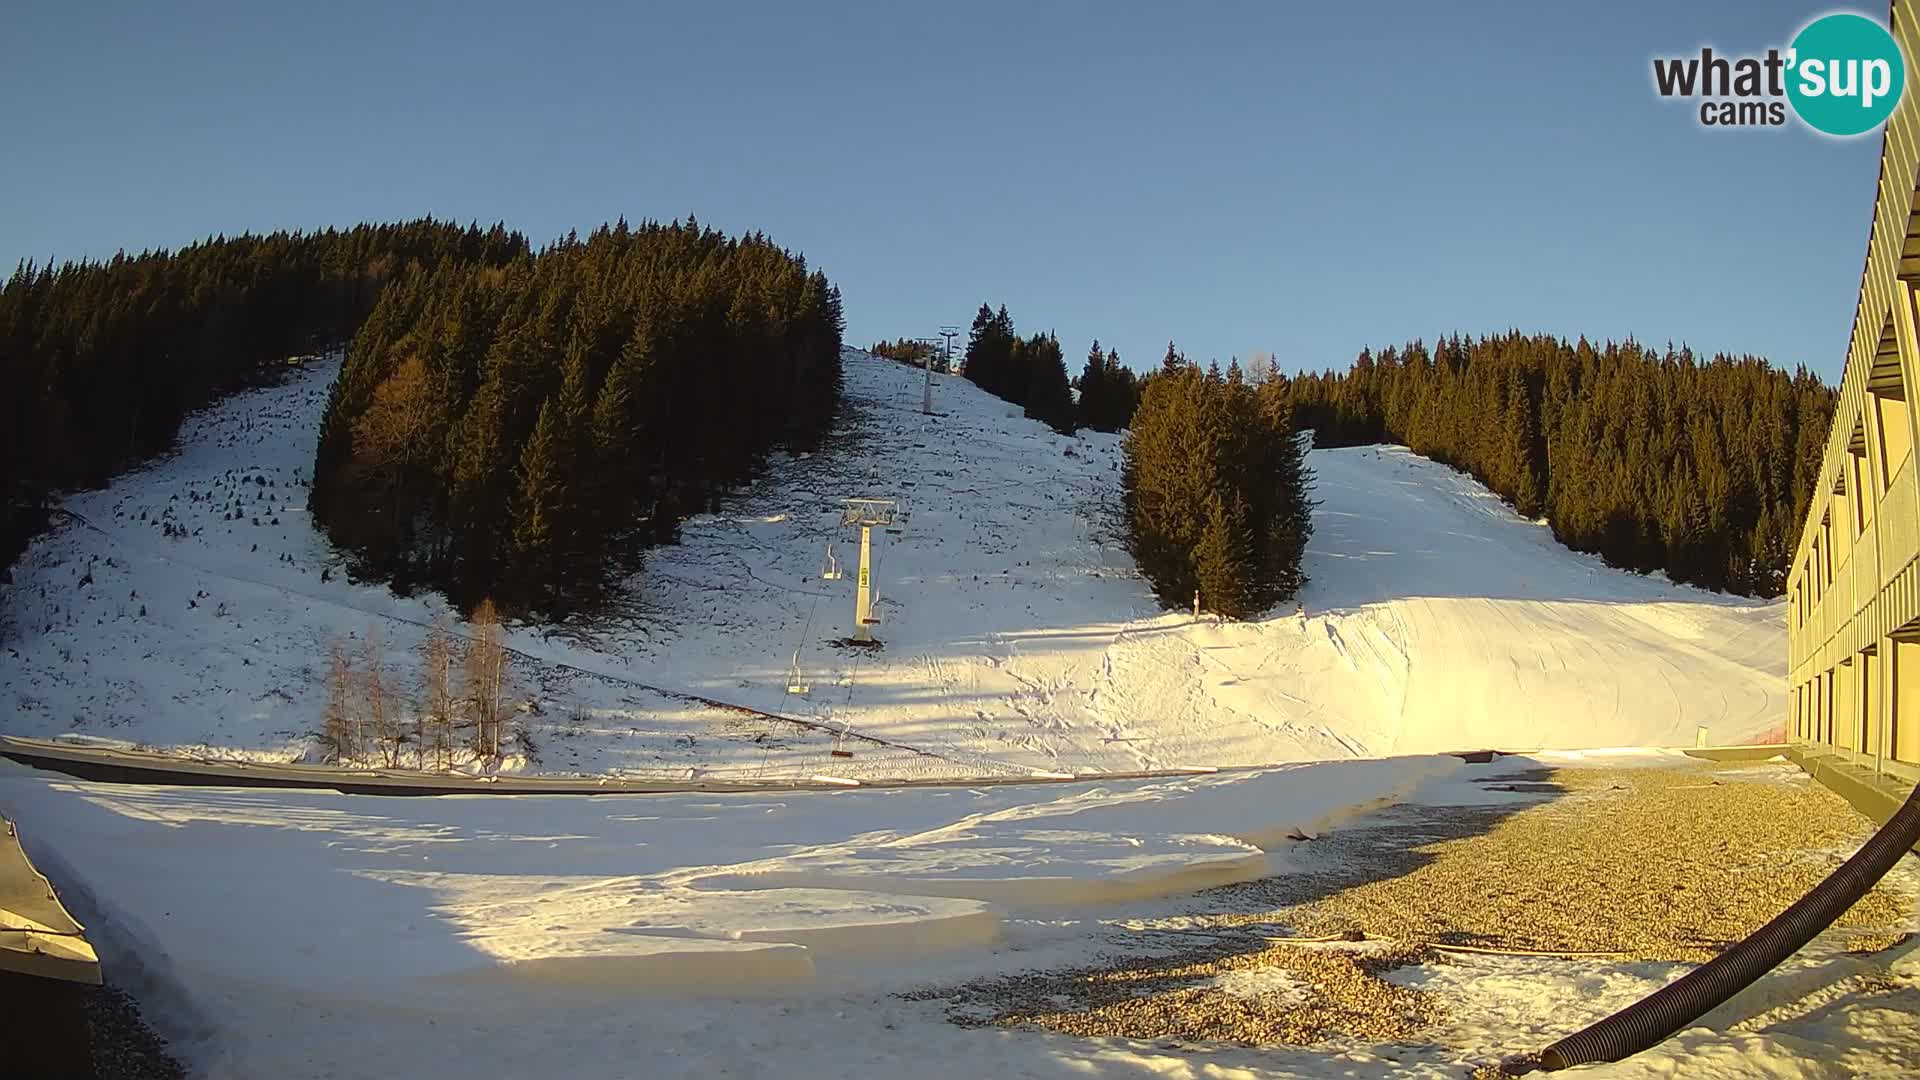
column 832, row 572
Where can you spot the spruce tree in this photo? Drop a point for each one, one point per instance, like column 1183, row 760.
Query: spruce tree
column 1095, row 403
column 1216, row 494
column 1016, row 374
column 1173, row 361
column 1123, row 393
column 1223, row 559
column 977, row 361
column 1049, row 398
column 540, row 505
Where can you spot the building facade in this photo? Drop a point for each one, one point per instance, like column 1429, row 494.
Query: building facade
column 1853, row 595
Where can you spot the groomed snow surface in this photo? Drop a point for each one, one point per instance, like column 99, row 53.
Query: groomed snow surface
column 1018, row 636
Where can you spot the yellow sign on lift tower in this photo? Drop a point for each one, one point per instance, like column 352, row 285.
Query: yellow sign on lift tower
column 865, row 513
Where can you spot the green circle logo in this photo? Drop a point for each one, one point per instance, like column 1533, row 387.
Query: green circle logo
column 1845, row 74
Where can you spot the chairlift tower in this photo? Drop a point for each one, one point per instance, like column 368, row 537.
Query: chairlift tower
column 946, row 360
column 865, row 513
column 926, row 361
column 947, row 334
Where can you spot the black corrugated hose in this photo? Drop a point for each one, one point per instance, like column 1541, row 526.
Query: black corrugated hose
column 1657, row 1017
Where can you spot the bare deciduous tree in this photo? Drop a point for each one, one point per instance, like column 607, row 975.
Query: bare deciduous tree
column 433, row 722
column 1261, row 367
column 382, row 715
column 338, row 734
column 485, row 680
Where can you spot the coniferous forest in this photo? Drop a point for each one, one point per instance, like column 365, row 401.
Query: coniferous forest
column 1654, row 460
column 1216, row 490
column 910, row 352
column 524, row 431
column 524, row 425
column 1030, row 372
column 1109, row 391
column 100, row 361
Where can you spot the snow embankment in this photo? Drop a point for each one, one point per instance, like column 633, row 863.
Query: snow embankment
column 194, row 608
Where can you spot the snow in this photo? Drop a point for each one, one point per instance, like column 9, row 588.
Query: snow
column 239, row 905
column 1019, row 639
column 307, row 934
column 460, row 885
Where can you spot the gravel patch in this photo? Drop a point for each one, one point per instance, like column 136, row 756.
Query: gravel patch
column 1670, row 863
column 124, row 1048
column 1331, row 991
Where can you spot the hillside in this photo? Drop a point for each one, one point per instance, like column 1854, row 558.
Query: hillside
column 1017, row 635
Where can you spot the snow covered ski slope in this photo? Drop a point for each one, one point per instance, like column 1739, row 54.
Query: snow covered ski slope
column 185, row 607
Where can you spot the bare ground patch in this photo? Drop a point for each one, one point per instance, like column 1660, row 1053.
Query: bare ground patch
column 1673, row 862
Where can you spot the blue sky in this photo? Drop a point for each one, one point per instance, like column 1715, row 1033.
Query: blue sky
column 1233, row 176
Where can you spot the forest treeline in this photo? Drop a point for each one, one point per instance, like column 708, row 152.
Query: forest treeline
column 1032, row 372
column 101, row 360
column 1216, row 490
column 910, row 351
column 524, row 431
column 1652, row 459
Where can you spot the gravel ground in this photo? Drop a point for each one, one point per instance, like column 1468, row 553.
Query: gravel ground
column 1668, row 863
column 1321, row 991
column 124, row 1048
column 1673, row 862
